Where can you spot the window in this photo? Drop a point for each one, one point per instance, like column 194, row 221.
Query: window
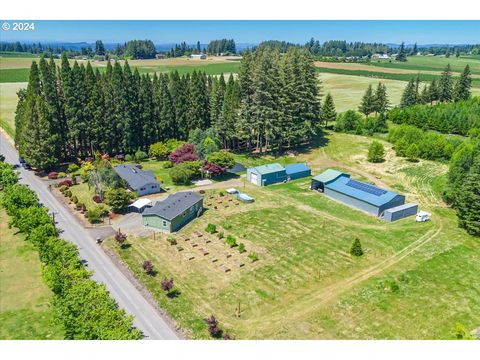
column 164, row 223
column 142, row 189
column 154, row 186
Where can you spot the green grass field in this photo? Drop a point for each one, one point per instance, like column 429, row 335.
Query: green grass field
column 305, row 285
column 25, row 310
column 433, row 63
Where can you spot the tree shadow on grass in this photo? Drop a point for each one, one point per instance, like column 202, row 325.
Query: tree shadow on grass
column 125, row 246
column 173, row 294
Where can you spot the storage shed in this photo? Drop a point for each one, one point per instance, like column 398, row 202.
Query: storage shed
column 400, row 212
column 266, row 174
column 297, row 171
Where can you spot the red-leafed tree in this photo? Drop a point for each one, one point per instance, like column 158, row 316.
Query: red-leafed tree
column 167, row 285
column 148, row 267
column 185, row 152
column 213, row 169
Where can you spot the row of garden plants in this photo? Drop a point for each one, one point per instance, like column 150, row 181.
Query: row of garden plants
column 83, row 307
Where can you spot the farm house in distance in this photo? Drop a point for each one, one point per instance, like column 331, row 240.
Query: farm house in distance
column 274, row 173
column 174, row 212
column 368, row 198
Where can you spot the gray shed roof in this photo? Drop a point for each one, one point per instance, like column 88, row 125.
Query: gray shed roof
column 135, row 177
column 174, row 205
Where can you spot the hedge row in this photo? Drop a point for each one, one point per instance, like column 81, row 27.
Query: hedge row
column 83, row 307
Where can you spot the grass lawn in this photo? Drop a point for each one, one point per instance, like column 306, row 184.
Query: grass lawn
column 25, row 311
column 305, row 285
column 85, row 195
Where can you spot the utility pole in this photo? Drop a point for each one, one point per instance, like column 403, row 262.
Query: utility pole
column 53, row 216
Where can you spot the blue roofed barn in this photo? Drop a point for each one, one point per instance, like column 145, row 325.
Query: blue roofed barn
column 366, row 197
column 266, row 174
column 297, row 171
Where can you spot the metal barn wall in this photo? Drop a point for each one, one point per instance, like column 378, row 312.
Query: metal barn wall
column 400, row 214
column 396, row 201
column 356, row 203
column 300, row 174
column 249, row 174
column 273, row 178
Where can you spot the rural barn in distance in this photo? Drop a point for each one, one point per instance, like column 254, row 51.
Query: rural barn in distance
column 274, row 173
column 174, row 212
column 366, row 197
column 138, row 180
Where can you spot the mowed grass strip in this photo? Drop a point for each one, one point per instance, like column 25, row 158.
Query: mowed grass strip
column 25, row 310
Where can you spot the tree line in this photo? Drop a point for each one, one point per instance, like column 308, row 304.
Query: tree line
column 445, row 89
column 83, row 307
column 71, row 112
column 216, row 47
column 463, row 184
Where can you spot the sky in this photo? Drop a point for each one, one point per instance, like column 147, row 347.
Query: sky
column 173, row 31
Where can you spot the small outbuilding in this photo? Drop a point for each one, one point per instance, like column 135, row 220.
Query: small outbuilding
column 174, row 212
column 400, row 212
column 266, row 174
column 140, row 204
column 297, row 171
column 328, row 176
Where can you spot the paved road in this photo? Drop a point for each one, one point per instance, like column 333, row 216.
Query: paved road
column 147, row 319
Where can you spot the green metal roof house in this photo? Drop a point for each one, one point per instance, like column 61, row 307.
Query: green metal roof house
column 274, row 173
column 174, row 212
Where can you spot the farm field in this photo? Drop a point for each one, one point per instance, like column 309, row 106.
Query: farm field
column 25, row 311
column 305, row 285
column 8, row 105
column 17, row 69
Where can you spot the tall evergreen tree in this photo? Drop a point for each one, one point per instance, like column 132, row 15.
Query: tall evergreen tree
column 462, row 87
column 409, row 96
column 402, row 54
column 467, row 202
column 367, row 106
column 445, row 85
column 328, row 110
column 382, row 104
column 38, row 147
column 216, row 103
column 230, row 111
column 178, row 88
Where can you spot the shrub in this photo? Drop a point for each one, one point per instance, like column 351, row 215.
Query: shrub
column 171, row 240
column 67, row 192
column 184, row 172
column 223, row 159
column 159, row 150
column 376, row 152
column 128, row 157
column 350, row 121
column 213, row 169
column 412, row 153
column 61, row 175
column 148, row 267
column 356, row 249
column 72, row 168
column 167, row 164
column 213, row 328
column 211, row 228
column 241, row 248
column 184, row 153
column 97, row 198
column 220, row 235
column 74, row 199
column 120, row 238
column 94, row 215
column 79, row 206
column 140, row 155
column 53, row 175
column 167, row 285
column 118, row 199
column 253, row 257
column 230, row 241
column 66, row 183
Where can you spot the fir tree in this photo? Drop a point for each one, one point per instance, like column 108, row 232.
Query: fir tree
column 445, row 86
column 409, row 96
column 462, row 87
column 328, row 110
column 381, row 102
column 367, row 106
column 356, row 248
column 467, row 202
column 402, row 54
